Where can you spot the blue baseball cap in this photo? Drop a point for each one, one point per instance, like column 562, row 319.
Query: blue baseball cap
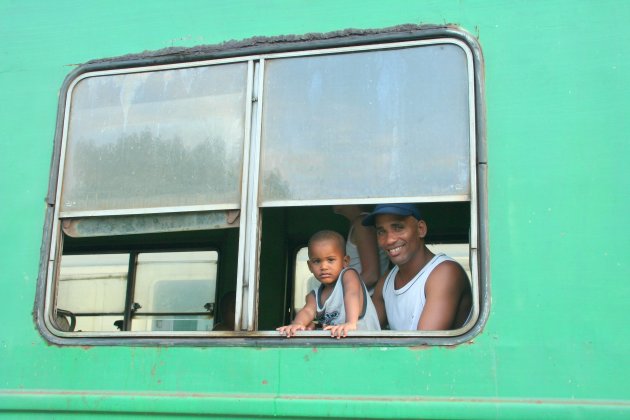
column 397, row 209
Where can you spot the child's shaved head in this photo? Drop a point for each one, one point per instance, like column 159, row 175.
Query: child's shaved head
column 329, row 235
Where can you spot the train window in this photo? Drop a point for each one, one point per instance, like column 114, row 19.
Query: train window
column 159, row 162
column 153, row 291
column 148, row 159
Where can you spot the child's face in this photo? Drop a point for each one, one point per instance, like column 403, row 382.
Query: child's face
column 326, row 260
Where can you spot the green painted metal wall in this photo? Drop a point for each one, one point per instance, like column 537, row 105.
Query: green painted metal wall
column 557, row 339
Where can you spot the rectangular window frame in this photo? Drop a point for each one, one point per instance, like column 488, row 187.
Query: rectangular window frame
column 250, row 220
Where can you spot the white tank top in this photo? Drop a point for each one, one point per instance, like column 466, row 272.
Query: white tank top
column 333, row 310
column 404, row 306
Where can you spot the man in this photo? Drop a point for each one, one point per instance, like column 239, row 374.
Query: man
column 423, row 291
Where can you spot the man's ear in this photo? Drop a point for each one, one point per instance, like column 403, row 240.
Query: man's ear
column 422, row 229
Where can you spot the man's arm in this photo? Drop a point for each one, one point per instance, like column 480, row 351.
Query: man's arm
column 443, row 290
column 365, row 240
column 379, row 302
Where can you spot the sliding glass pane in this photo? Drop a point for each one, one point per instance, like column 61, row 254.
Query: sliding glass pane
column 167, row 138
column 377, row 124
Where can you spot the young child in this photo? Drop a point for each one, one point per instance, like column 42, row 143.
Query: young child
column 341, row 303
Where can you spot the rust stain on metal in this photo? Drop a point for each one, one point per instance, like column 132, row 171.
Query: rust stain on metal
column 261, row 41
column 419, row 348
column 453, row 347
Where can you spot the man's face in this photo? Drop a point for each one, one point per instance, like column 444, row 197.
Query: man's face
column 326, row 260
column 400, row 236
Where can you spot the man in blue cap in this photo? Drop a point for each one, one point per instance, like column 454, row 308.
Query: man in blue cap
column 423, row 291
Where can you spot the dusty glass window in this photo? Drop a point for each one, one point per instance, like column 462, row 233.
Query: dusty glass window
column 155, row 140
column 403, row 113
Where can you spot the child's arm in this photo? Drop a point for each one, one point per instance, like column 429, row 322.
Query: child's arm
column 353, row 302
column 302, row 319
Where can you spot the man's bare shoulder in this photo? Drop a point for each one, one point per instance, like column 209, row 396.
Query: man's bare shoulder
column 447, row 277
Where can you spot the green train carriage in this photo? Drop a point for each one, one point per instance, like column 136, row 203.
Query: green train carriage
column 181, row 174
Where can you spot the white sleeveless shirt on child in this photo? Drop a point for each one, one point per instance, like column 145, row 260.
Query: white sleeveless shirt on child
column 333, row 310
